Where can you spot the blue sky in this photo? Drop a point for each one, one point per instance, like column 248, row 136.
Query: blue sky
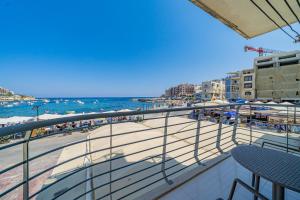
column 117, row 48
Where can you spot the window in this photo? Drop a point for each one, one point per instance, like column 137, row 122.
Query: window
column 247, row 78
column 265, row 60
column 247, row 93
column 265, row 66
column 287, row 56
column 289, row 63
column 248, row 85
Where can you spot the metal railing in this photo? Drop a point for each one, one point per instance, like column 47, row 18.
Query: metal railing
column 204, row 140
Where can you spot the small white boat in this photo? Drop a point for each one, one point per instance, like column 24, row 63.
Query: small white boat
column 80, row 102
column 46, row 101
column 9, row 106
column 57, row 102
column 16, row 103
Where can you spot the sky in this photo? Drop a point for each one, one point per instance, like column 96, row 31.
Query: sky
column 94, row 48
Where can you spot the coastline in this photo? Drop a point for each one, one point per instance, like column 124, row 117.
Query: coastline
column 64, row 106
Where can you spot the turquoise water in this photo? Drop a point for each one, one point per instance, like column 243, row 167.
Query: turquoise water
column 64, row 105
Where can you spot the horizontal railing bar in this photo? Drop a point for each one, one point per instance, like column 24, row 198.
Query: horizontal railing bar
column 281, row 146
column 129, row 184
column 274, row 144
column 11, row 189
column 12, row 167
column 91, row 139
column 118, row 158
column 157, row 180
column 267, row 139
column 283, row 136
column 12, row 144
column 85, row 154
column 66, row 131
column 131, row 165
column 144, row 169
column 136, row 163
column 153, row 118
column 86, row 140
column 39, row 124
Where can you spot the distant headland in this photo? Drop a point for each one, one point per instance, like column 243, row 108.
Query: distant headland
column 9, row 95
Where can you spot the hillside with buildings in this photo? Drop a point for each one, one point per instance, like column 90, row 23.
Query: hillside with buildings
column 272, row 78
column 9, row 95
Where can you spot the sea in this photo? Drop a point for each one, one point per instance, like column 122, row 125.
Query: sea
column 71, row 105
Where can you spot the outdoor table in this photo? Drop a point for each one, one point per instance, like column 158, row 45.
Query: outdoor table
column 280, row 168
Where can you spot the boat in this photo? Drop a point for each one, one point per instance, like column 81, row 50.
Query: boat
column 9, row 106
column 30, row 103
column 46, row 101
column 80, row 102
column 16, row 103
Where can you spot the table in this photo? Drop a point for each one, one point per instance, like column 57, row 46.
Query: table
column 280, row 168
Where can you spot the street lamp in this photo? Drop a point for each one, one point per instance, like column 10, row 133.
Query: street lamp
column 36, row 107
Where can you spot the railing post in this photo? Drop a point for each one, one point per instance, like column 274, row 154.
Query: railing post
column 287, row 129
column 110, row 161
column 197, row 139
column 165, row 150
column 250, row 124
column 26, row 165
column 218, row 142
column 233, row 138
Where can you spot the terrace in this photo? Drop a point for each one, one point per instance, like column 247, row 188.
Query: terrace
column 178, row 153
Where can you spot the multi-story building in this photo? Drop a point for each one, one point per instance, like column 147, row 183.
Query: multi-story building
column 4, row 92
column 278, row 76
column 198, row 92
column 185, row 90
column 182, row 90
column 232, row 85
column 214, row 89
column 247, row 84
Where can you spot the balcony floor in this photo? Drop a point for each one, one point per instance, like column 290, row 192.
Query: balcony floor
column 216, row 183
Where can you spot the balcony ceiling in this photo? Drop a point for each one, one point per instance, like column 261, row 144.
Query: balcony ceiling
column 245, row 18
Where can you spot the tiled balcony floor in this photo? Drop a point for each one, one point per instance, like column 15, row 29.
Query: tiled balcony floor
column 216, row 183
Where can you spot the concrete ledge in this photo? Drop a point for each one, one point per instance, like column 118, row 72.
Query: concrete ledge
column 182, row 179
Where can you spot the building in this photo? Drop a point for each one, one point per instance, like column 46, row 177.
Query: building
column 5, row 92
column 198, row 92
column 182, row 90
column 247, row 84
column 214, row 89
column 278, row 76
column 232, row 86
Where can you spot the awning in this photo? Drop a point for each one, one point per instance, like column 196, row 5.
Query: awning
column 247, row 19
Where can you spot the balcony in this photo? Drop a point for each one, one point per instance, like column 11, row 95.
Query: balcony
column 180, row 153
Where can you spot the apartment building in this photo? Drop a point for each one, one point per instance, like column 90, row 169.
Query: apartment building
column 232, row 85
column 277, row 76
column 182, row 90
column 198, row 92
column 247, row 84
column 214, row 89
